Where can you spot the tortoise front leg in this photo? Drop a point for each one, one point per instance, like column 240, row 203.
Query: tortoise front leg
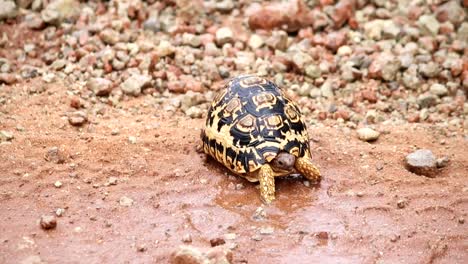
column 307, row 169
column 267, row 184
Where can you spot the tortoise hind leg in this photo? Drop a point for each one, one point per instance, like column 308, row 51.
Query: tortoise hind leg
column 267, row 184
column 307, row 169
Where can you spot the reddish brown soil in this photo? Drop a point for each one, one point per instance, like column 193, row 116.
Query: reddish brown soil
column 351, row 217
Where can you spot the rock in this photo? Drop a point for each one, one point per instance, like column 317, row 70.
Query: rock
column 451, row 11
column 6, row 136
column 135, row 83
column 192, row 255
column 59, row 11
column 7, row 9
column 462, row 33
column 77, row 118
column 125, row 201
column 55, row 155
column 109, row 36
column 24, row 3
column 214, row 242
column 48, row 222
column 342, row 12
column 401, row 203
column 422, row 162
column 301, row 59
column 442, row 162
column 411, row 79
column 390, row 29
column 194, row 112
column 165, row 48
column 255, row 42
column 187, row 238
column 429, row 24
column 191, row 40
column 34, row 21
column 290, row 15
column 438, row 89
column 224, row 6
column 224, row 35
column 429, row 70
column 367, row 134
column 385, row 67
column 334, row 40
column 370, row 96
column 100, row 86
column 266, row 230
column 426, row 100
column 34, row 259
column 327, row 90
column 278, row 40
column 152, row 24
column 373, row 29
column 313, row 71
column 7, row 78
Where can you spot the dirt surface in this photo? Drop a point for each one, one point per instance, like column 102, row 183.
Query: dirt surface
column 367, row 209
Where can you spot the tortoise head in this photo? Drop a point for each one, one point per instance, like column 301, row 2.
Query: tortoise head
column 283, row 163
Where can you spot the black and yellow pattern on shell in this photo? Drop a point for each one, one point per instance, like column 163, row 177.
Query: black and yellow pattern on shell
column 249, row 122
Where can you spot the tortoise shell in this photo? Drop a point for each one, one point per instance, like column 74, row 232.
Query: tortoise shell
column 249, row 122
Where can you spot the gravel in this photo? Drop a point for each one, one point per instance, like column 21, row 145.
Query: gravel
column 367, row 134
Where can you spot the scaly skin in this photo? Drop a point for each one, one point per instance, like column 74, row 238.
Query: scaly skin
column 267, row 183
column 307, row 169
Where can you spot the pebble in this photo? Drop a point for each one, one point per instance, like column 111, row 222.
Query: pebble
column 426, row 100
column 438, row 89
column 58, row 184
column 191, row 40
column 7, row 78
column 77, row 118
column 132, row 140
column 135, row 83
column 214, row 242
column 141, row 248
column 442, row 162
column 278, row 40
column 59, row 212
column 224, row 35
column 100, row 86
column 313, row 71
column 421, row 162
column 187, row 238
column 194, row 112
column 6, row 136
column 112, row 181
column 367, row 134
column 125, row 201
column 165, row 48
column 55, row 155
column 255, row 42
column 48, row 222
column 401, row 203
column 34, row 21
column 429, row 23
column 7, row 9
column 109, row 36
column 266, row 230
column 192, row 255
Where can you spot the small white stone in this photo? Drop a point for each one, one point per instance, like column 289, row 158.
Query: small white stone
column 58, row 184
column 367, row 134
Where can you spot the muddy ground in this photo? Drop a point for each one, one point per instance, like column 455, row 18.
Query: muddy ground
column 367, row 209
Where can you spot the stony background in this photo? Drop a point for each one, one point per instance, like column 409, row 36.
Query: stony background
column 354, row 61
